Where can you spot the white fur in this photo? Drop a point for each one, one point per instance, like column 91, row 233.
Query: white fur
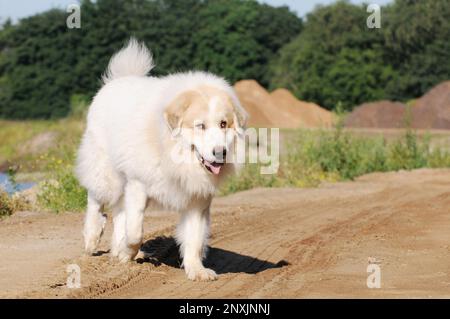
column 124, row 159
column 134, row 59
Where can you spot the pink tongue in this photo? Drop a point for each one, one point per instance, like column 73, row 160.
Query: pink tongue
column 214, row 169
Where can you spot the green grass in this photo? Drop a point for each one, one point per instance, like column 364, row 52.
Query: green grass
column 11, row 204
column 14, row 134
column 59, row 191
column 333, row 155
column 62, row 192
column 310, row 158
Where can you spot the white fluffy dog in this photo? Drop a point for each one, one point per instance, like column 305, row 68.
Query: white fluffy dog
column 142, row 134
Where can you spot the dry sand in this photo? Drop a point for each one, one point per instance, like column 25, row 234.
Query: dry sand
column 310, row 114
column 382, row 114
column 279, row 108
column 432, row 110
column 265, row 243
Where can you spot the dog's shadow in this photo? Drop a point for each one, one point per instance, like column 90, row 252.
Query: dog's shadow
column 164, row 250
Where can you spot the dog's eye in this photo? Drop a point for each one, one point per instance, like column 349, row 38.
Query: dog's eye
column 200, row 126
column 223, row 124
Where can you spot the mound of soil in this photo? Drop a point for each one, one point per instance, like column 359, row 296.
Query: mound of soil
column 308, row 114
column 256, row 101
column 279, row 109
column 382, row 114
column 261, row 107
column 432, row 110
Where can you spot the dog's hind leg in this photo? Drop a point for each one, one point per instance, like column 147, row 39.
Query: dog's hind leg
column 94, row 223
column 192, row 235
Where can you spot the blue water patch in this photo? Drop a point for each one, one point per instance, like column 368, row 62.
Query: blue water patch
column 10, row 187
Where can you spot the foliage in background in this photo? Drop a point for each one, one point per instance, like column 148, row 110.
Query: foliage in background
column 310, row 157
column 16, row 135
column 337, row 59
column 43, row 63
column 331, row 58
column 36, row 67
column 48, row 71
column 61, row 190
column 79, row 104
column 58, row 189
column 238, row 39
column 11, row 204
column 333, row 155
column 417, row 45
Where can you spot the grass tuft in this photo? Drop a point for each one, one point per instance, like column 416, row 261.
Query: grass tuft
column 333, row 155
column 310, row 158
column 11, row 204
column 61, row 191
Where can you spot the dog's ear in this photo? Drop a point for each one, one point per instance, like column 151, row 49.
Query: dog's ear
column 240, row 118
column 174, row 112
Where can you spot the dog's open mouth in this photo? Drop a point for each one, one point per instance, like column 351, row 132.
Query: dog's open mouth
column 212, row 167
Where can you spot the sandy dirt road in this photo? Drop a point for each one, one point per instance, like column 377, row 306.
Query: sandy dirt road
column 292, row 243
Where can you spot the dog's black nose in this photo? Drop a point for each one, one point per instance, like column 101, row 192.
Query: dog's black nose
column 220, row 153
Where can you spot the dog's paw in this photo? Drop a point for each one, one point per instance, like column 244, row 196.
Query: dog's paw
column 124, row 256
column 115, row 248
column 201, row 274
column 127, row 253
column 114, row 252
column 90, row 245
column 92, row 234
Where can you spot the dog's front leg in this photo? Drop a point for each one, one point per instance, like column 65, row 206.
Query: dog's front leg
column 192, row 235
column 134, row 203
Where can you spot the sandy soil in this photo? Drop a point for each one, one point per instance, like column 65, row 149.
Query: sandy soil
column 280, row 108
column 266, row 243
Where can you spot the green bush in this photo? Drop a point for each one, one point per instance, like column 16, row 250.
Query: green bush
column 408, row 153
column 337, row 58
column 11, row 204
column 43, row 63
column 62, row 194
column 317, row 156
column 6, row 208
column 79, row 104
column 61, row 191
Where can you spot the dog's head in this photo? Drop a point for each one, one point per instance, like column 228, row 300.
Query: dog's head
column 208, row 119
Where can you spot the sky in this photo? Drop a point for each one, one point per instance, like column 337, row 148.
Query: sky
column 21, row 8
column 302, row 7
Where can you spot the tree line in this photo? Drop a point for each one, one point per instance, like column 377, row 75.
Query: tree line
column 330, row 58
column 337, row 60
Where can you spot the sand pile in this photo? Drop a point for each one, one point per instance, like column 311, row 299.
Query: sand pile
column 279, row 108
column 308, row 114
column 382, row 114
column 432, row 110
column 258, row 103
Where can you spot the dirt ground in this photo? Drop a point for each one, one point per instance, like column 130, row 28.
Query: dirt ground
column 274, row 243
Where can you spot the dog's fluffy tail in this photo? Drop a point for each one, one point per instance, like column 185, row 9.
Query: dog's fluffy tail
column 134, row 59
